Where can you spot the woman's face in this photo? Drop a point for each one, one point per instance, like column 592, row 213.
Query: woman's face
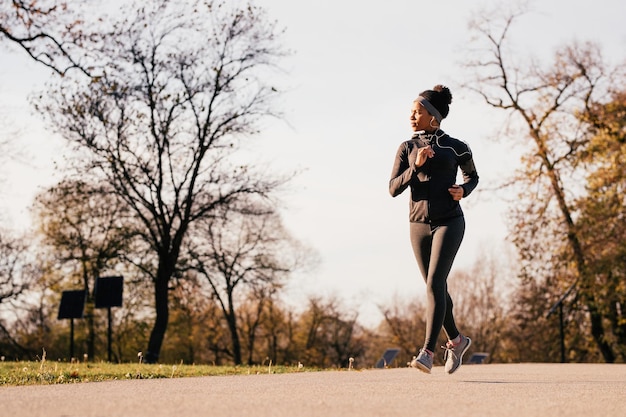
column 420, row 118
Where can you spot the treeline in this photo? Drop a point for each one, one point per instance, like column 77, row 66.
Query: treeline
column 491, row 303
column 322, row 332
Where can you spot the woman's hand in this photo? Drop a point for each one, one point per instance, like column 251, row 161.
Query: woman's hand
column 456, row 191
column 423, row 154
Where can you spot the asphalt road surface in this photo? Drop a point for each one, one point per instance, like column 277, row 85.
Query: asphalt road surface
column 519, row 390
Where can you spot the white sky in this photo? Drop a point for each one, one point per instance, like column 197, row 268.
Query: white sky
column 356, row 69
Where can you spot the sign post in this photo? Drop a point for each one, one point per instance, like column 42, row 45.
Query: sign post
column 72, row 307
column 108, row 293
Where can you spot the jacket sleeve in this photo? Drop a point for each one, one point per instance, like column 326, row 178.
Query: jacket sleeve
column 402, row 171
column 470, row 176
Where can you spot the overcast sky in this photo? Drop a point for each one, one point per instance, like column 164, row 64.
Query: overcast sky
column 356, row 68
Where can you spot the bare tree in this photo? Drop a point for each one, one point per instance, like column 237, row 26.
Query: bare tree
column 278, row 331
column 244, row 256
column 51, row 32
column 16, row 276
column 252, row 316
column 404, row 325
column 483, row 295
column 179, row 85
column 545, row 103
column 191, row 313
column 328, row 335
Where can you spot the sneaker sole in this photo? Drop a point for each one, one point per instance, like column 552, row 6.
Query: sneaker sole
column 420, row 366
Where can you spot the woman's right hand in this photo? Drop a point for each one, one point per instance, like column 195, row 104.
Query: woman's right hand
column 423, row 154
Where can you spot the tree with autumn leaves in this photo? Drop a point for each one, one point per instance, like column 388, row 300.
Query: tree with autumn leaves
column 567, row 219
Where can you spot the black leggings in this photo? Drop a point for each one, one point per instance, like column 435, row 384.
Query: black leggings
column 435, row 247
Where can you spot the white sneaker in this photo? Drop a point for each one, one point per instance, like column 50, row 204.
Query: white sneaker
column 454, row 353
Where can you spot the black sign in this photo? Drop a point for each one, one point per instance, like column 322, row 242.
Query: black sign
column 72, row 304
column 108, row 292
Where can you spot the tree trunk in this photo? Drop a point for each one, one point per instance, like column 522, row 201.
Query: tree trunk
column 597, row 331
column 161, row 296
column 234, row 336
column 90, row 306
column 251, row 340
column 91, row 325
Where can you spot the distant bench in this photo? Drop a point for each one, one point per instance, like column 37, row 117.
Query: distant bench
column 477, row 358
column 388, row 357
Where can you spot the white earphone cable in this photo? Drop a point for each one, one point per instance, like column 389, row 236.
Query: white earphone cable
column 438, row 135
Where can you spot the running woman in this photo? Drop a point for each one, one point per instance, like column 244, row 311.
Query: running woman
column 428, row 163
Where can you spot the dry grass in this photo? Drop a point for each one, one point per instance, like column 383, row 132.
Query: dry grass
column 46, row 372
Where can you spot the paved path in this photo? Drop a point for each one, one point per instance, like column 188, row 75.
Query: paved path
column 520, row 390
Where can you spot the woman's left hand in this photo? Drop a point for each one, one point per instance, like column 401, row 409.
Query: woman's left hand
column 456, row 191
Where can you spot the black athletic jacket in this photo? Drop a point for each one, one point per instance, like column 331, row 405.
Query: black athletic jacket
column 430, row 199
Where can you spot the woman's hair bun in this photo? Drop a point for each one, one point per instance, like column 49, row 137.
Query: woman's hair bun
column 445, row 92
column 440, row 97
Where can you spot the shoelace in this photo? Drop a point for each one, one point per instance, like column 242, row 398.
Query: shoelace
column 448, row 349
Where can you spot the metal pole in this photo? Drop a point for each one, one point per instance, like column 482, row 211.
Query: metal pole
column 559, row 304
column 71, row 339
column 109, row 335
